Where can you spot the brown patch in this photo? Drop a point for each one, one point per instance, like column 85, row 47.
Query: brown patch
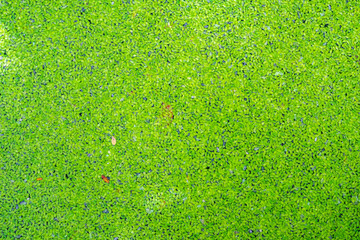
column 167, row 112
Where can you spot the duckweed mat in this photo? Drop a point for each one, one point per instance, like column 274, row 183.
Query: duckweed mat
column 179, row 119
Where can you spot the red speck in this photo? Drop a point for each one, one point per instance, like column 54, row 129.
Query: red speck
column 105, row 179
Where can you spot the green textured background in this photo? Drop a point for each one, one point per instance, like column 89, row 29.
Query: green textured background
column 265, row 137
